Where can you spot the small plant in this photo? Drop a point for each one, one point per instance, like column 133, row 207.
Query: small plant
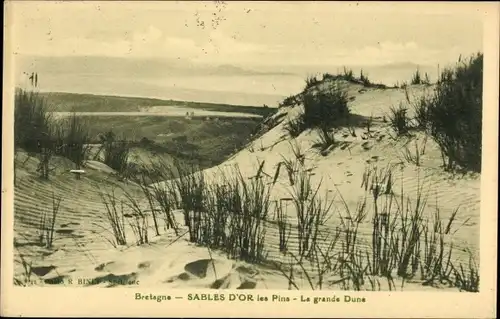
column 399, row 120
column 352, row 131
column 297, row 152
column 436, row 264
column 416, row 156
column 364, row 79
column 48, row 222
column 311, row 210
column 422, row 115
column 467, row 279
column 348, row 75
column 369, row 123
column 165, row 197
column 289, row 101
column 325, row 140
column 416, row 78
column 116, row 152
column 73, row 139
column 295, row 126
column 284, row 227
column 150, row 197
column 114, row 217
column 25, row 280
column 139, row 220
column 311, row 81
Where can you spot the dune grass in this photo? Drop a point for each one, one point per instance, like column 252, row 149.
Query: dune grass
column 408, row 241
column 47, row 223
column 452, row 114
column 114, row 217
column 399, row 120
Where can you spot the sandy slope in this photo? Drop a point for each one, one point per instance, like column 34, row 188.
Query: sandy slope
column 81, row 251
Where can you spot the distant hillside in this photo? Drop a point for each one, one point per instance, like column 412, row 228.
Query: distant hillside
column 67, row 102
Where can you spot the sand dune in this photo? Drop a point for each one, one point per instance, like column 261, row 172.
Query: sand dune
column 83, row 254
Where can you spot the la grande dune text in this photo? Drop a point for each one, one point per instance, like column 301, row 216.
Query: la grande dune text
column 273, row 298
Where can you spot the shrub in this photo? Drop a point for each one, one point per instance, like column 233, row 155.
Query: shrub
column 399, row 120
column 422, row 116
column 73, row 139
column 116, row 152
column 323, row 108
column 295, row 126
column 32, row 120
column 454, row 114
column 33, row 129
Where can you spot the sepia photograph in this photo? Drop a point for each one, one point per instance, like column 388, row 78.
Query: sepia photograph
column 211, row 147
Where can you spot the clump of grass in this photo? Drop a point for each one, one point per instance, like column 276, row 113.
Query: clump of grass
column 48, row 222
column 298, row 154
column 403, row 243
column 284, row 227
column 348, row 74
column 467, row 279
column 139, row 220
column 311, row 81
column 312, row 211
column 422, row 115
column 364, row 79
column 295, row 126
column 322, row 109
column 115, row 217
column 453, row 114
column 436, row 264
column 116, row 152
column 418, row 79
column 290, row 101
column 25, row 279
column 416, row 156
column 35, row 130
column 73, row 140
column 399, row 120
column 190, row 188
column 32, row 121
column 325, row 140
column 165, row 197
column 150, row 196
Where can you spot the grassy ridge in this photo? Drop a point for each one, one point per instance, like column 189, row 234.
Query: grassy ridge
column 207, row 143
column 67, row 102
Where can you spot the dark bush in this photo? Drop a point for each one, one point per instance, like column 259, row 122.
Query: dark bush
column 454, row 114
column 399, row 120
column 322, row 109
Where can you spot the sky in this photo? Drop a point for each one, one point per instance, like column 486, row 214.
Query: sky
column 250, row 33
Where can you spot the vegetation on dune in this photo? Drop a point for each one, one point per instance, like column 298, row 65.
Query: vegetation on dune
column 417, row 78
column 451, row 115
column 407, row 242
column 455, row 114
column 399, row 120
